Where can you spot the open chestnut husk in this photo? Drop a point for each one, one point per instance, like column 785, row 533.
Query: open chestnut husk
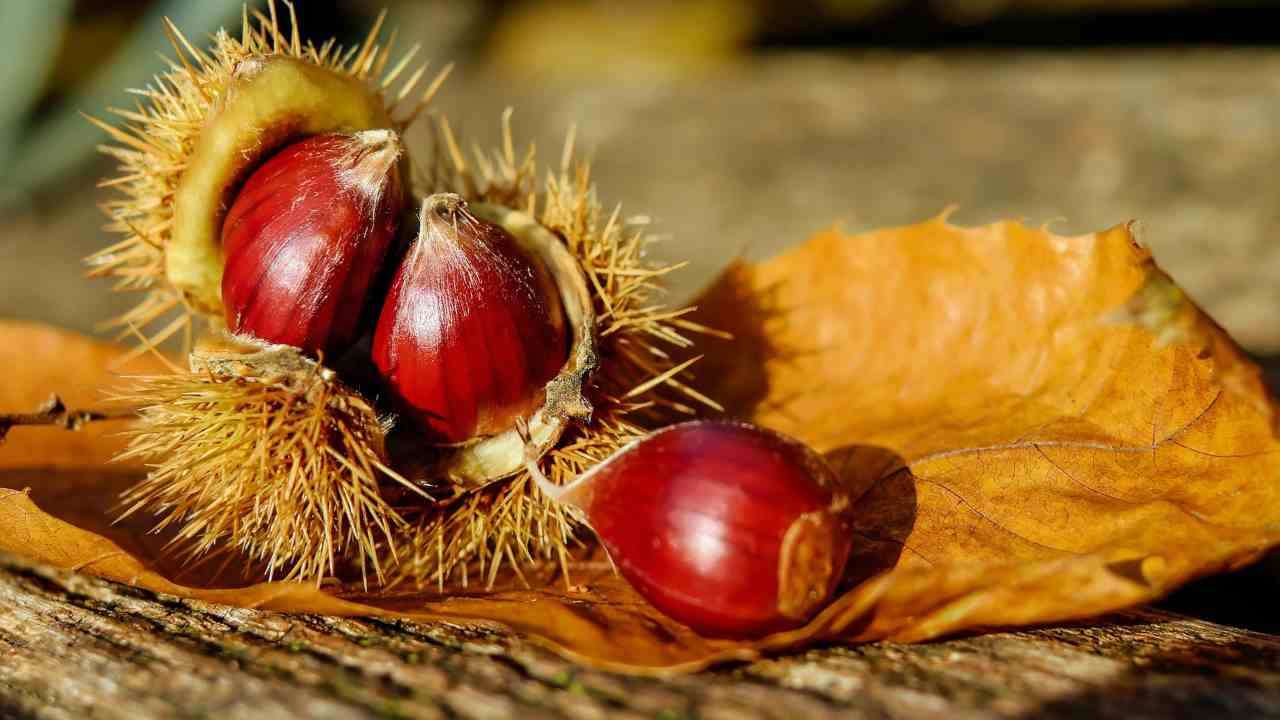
column 729, row 528
column 295, row 387
column 206, row 125
column 262, row 185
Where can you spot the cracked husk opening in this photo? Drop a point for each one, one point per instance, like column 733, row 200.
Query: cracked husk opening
column 203, row 124
column 269, row 102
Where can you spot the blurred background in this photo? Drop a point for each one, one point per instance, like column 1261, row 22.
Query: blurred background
column 743, row 126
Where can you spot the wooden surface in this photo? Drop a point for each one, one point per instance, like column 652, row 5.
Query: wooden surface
column 76, row 647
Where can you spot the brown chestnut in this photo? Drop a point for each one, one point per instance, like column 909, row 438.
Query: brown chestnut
column 729, row 528
column 306, row 237
column 472, row 329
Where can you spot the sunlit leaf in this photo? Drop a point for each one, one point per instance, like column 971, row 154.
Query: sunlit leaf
column 1037, row 427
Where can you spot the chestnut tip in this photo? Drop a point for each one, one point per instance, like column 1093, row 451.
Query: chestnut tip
column 372, row 155
column 248, row 67
column 444, row 204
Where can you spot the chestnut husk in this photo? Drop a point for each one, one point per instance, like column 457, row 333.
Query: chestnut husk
column 204, row 123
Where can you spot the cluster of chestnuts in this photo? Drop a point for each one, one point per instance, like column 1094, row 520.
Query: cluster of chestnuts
column 730, row 528
column 469, row 330
column 474, row 327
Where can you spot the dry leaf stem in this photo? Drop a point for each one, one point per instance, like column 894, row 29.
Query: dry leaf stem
column 55, row 412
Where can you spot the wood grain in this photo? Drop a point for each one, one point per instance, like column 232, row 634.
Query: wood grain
column 74, row 647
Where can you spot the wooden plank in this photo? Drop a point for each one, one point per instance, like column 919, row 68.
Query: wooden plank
column 75, row 647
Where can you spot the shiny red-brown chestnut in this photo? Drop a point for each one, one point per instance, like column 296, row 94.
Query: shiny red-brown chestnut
column 472, row 328
column 731, row 529
column 306, row 237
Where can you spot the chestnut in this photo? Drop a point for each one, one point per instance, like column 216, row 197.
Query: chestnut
column 307, row 235
column 472, row 329
column 729, row 528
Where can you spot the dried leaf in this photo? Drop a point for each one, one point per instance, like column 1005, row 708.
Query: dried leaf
column 1066, row 432
column 1038, row 428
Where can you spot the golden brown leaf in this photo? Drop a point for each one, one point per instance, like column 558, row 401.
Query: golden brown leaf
column 1066, row 432
column 1038, row 428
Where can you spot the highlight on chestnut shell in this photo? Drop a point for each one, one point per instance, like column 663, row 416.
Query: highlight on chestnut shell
column 306, row 237
column 729, row 528
column 472, row 329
